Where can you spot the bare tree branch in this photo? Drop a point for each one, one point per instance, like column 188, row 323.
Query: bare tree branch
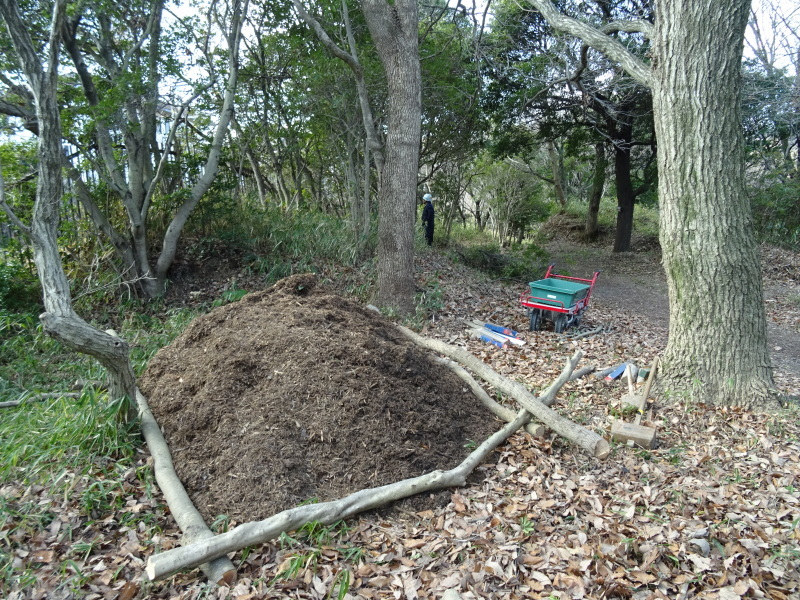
column 598, row 40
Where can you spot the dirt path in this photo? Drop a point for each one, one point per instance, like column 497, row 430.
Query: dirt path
column 634, row 283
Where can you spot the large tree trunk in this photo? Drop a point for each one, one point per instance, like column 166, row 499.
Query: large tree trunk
column 717, row 348
column 393, row 27
column 717, row 332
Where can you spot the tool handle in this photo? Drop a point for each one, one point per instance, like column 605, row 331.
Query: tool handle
column 629, row 375
column 649, row 383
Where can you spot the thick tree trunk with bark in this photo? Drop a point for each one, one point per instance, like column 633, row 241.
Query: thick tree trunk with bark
column 624, row 184
column 394, row 30
column 717, row 348
column 717, row 333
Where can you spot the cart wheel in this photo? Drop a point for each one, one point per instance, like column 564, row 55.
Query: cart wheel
column 560, row 323
column 536, row 320
column 577, row 322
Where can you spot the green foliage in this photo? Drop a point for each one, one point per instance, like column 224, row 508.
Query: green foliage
column 776, row 211
column 43, row 438
column 229, row 296
column 521, row 262
column 19, row 287
column 278, row 243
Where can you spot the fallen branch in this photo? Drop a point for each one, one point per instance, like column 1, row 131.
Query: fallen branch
column 538, row 407
column 38, row 398
column 585, row 334
column 258, row 532
column 191, row 523
column 582, row 372
column 508, row 415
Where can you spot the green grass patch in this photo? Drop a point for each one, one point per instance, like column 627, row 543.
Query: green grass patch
column 70, row 460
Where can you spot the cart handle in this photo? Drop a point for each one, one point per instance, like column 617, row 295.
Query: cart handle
column 549, row 274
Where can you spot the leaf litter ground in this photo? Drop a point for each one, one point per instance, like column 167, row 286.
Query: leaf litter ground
column 712, row 512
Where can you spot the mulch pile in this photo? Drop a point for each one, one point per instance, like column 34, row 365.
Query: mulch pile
column 295, row 393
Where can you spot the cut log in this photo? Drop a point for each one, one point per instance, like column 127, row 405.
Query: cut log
column 633, row 432
column 538, row 407
column 258, row 532
column 508, row 415
column 219, row 570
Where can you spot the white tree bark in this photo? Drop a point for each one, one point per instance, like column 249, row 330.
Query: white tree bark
column 59, row 319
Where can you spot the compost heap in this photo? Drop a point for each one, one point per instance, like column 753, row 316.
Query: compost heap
column 293, row 394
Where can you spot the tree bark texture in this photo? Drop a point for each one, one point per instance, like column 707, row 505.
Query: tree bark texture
column 717, row 331
column 717, row 348
column 394, row 30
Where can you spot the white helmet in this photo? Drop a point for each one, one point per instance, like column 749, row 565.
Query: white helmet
column 427, row 198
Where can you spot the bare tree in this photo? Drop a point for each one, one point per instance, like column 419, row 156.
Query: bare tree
column 59, row 318
column 108, row 52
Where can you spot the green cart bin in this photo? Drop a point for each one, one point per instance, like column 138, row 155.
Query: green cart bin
column 558, row 292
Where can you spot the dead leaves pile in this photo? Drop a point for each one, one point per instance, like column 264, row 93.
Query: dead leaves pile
column 712, row 512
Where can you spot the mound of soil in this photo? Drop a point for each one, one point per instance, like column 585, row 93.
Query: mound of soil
column 295, row 393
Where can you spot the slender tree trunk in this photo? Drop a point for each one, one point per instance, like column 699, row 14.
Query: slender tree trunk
column 557, row 166
column 394, row 30
column 717, row 332
column 59, row 319
column 169, row 246
column 596, row 194
column 625, row 195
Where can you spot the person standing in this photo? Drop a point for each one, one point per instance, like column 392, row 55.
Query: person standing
column 427, row 218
